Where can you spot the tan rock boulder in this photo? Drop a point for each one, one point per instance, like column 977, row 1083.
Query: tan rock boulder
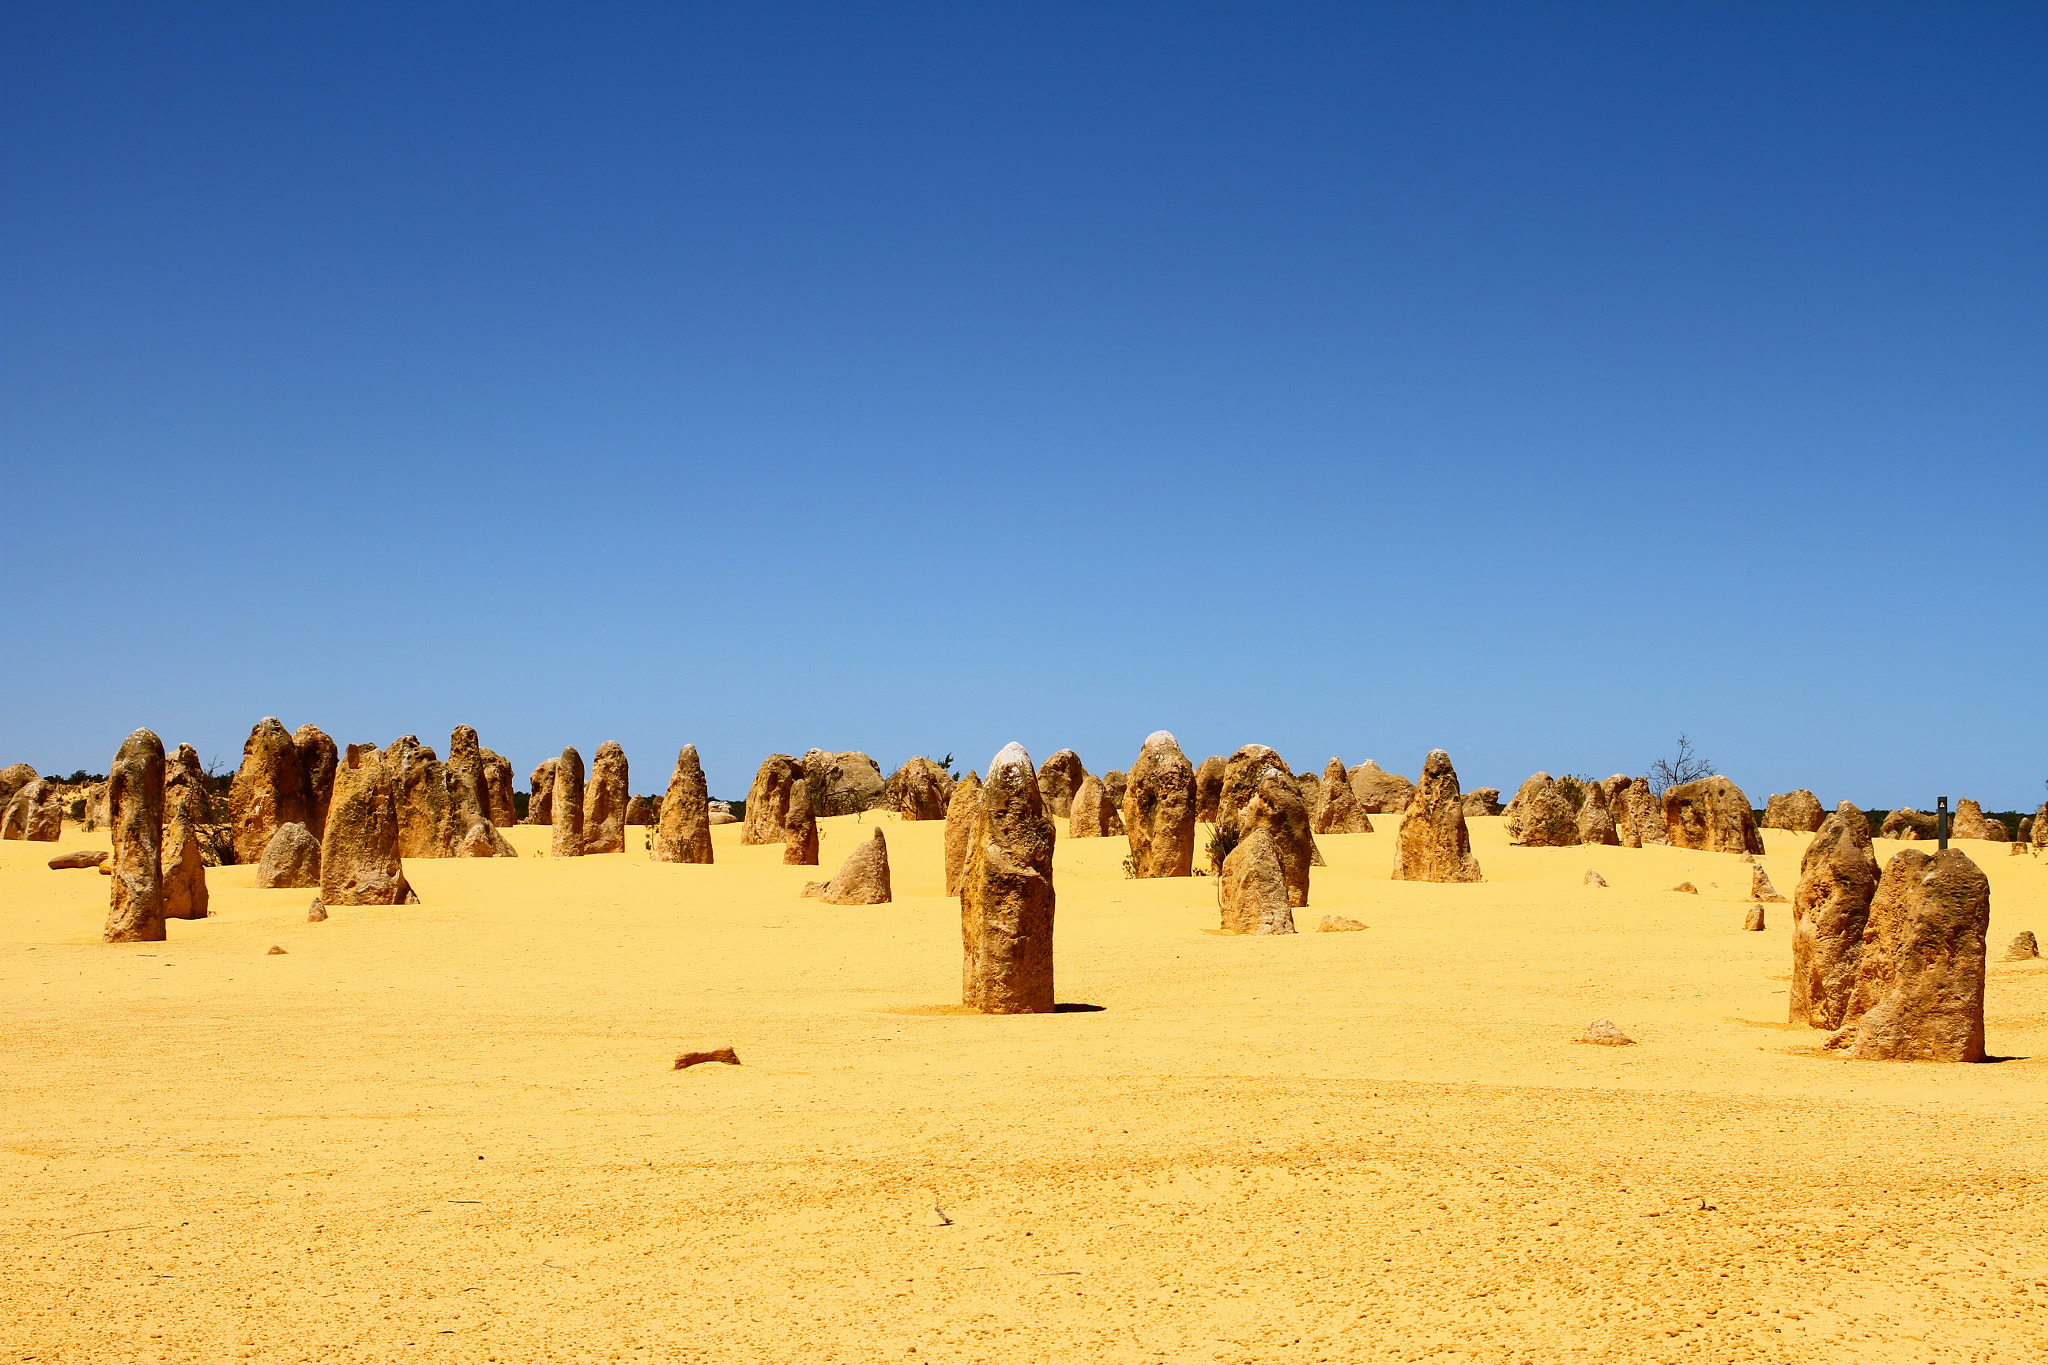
column 1798, row 811
column 1970, row 822
column 1644, row 826
column 13, row 778
column 1380, row 792
column 291, row 860
column 2039, row 836
column 920, row 790
column 568, row 836
column 181, row 855
column 45, row 818
column 1090, row 815
column 1276, row 808
column 1059, row 777
column 1339, row 924
column 1540, row 817
column 1593, row 877
column 1159, row 809
column 768, row 798
column 800, row 829
column 1253, row 895
column 135, row 826
column 604, row 801
column 1115, row 783
column 1483, row 801
column 1208, row 789
column 317, row 759
column 471, row 831
column 269, row 789
column 1243, row 774
column 1753, row 919
column 1838, row 875
column 1433, row 844
column 359, row 858
column 863, row 879
column 498, row 788
column 78, row 859
column 2027, row 828
column 1006, row 892
column 419, row 786
column 1711, row 815
column 1908, row 824
column 1337, row 810
column 844, row 783
column 684, row 834
column 1920, row 980
column 14, row 817
column 641, row 810
column 960, row 813
column 540, row 791
column 1596, row 819
column 1760, row 887
column 2023, row 948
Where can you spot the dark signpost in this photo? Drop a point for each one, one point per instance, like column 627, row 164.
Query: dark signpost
column 1941, row 823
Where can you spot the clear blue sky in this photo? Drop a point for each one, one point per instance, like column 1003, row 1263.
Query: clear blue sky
column 1535, row 382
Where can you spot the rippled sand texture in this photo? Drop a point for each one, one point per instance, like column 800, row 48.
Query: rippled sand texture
column 450, row 1131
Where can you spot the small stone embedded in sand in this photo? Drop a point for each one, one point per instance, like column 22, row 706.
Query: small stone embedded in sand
column 1540, row 817
column 1838, row 875
column 1603, row 1033
column 1339, row 924
column 919, row 790
column 1433, row 844
column 1059, row 777
column 1711, row 815
column 719, row 1054
column 135, row 824
column 768, row 799
column 604, row 800
column 1483, row 801
column 1687, row 887
column 1159, row 809
column 960, row 812
column 78, row 858
column 1090, row 815
column 318, row 756
column 2019, row 849
column 1380, row 792
column 800, row 828
column 1336, row 809
column 292, row 859
column 1208, row 788
column 1593, row 878
column 863, row 879
column 1799, row 811
column 359, row 859
column 2022, row 948
column 316, row 912
column 1920, row 980
column 275, row 951
column 567, row 793
column 1760, row 888
column 269, row 789
column 540, row 798
column 1254, row 895
column 1007, row 900
column 1753, row 918
column 683, row 834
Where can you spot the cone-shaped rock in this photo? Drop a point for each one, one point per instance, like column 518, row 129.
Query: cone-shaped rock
column 1159, row 809
column 684, row 834
column 1059, row 777
column 863, row 879
column 920, row 790
column 1970, row 822
column 540, row 797
column 269, row 789
column 604, row 801
column 1252, row 893
column 292, row 860
column 768, row 799
column 1596, row 818
column 960, row 812
column 135, row 825
column 1433, row 844
column 800, row 828
column 568, row 802
column 498, row 802
column 1920, row 980
column 474, row 833
column 359, row 858
column 1090, row 815
column 1540, row 817
column 1838, row 875
column 1380, row 792
column 317, row 759
column 181, row 857
column 1006, row 891
column 1208, row 788
column 1711, row 815
column 1760, row 887
column 1798, row 811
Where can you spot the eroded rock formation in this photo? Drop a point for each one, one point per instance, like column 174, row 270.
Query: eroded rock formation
column 135, row 825
column 684, row 834
column 269, row 789
column 1159, row 809
column 1919, row 992
column 1006, row 892
column 1433, row 844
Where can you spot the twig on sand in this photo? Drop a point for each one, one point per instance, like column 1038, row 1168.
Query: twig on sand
column 94, row 1232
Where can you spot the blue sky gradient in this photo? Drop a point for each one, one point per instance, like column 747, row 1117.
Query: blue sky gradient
column 1531, row 381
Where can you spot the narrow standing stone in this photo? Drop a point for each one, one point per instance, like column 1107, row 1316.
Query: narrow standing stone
column 1006, row 892
column 135, row 817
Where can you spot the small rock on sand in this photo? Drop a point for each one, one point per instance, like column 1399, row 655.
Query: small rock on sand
column 2023, row 948
column 315, row 912
column 1753, row 921
column 84, row 857
column 1593, row 878
column 1604, row 1033
column 1688, row 888
column 1760, row 887
column 275, row 951
column 1338, row 924
column 721, row 1054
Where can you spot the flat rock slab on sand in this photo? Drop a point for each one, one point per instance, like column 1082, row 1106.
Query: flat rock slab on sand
column 455, row 1124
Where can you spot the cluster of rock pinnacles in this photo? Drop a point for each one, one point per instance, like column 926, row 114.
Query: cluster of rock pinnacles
column 1891, row 961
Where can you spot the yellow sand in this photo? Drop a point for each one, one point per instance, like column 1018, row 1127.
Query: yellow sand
column 450, row 1131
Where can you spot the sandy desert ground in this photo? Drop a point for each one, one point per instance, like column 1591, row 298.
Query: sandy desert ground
column 450, row 1131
